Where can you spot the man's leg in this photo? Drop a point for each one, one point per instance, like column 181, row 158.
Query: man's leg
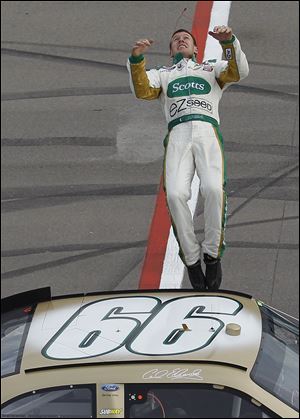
column 211, row 169
column 179, row 172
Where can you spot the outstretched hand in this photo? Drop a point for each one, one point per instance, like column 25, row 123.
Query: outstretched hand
column 141, row 46
column 221, row 33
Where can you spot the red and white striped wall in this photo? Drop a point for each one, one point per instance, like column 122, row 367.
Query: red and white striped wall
column 162, row 266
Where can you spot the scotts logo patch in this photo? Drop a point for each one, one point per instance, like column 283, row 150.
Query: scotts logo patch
column 186, row 86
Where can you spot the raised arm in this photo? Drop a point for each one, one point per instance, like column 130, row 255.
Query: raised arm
column 144, row 84
column 234, row 66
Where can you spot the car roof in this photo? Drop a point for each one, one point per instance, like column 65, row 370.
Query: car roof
column 221, row 327
column 139, row 336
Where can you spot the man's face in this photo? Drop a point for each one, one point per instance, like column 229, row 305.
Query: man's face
column 184, row 43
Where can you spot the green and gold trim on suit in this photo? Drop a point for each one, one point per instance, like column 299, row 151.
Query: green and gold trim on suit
column 192, row 117
column 231, row 74
column 181, row 254
column 221, row 247
column 179, row 56
column 140, row 81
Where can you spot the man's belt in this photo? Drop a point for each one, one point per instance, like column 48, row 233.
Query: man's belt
column 192, row 117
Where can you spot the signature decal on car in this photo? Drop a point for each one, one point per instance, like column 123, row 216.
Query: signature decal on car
column 174, row 374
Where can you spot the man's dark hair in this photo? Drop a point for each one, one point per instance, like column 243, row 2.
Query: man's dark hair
column 184, row 30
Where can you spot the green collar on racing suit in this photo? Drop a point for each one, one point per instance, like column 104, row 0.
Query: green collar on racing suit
column 178, row 57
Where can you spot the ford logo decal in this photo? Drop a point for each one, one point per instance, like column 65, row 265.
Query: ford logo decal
column 110, row 387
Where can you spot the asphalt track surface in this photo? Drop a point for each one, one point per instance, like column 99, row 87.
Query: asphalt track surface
column 82, row 158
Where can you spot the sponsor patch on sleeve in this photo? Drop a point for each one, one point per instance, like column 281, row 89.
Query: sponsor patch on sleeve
column 228, row 53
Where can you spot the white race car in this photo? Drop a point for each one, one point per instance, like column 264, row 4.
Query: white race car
column 147, row 354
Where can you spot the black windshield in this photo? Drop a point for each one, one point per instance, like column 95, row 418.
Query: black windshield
column 189, row 401
column 14, row 329
column 277, row 366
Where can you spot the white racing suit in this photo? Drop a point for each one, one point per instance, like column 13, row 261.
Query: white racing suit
column 190, row 94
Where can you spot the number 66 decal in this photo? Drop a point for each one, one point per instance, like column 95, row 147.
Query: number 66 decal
column 141, row 325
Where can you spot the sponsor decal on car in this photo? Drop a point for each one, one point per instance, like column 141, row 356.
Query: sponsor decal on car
column 110, row 387
column 110, row 411
column 187, row 86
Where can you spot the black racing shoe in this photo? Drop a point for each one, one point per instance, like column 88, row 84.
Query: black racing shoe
column 196, row 276
column 213, row 273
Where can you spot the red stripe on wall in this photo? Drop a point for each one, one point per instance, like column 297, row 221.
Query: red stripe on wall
column 157, row 243
column 200, row 25
column 160, row 225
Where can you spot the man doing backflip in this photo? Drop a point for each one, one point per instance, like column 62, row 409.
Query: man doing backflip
column 190, row 94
